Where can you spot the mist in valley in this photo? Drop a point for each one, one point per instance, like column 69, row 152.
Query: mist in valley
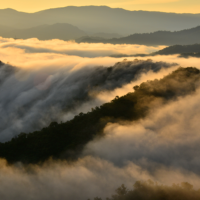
column 81, row 116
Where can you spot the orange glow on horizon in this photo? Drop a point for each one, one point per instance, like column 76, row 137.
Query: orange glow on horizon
column 177, row 6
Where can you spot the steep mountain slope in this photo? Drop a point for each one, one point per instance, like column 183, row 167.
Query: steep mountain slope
column 66, row 140
column 60, row 93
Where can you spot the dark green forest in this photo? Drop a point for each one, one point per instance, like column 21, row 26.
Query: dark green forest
column 66, row 140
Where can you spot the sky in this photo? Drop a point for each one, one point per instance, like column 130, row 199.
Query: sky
column 177, row 6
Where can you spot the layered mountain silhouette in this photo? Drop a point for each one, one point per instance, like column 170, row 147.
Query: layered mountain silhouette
column 65, row 31
column 179, row 49
column 61, row 31
column 94, row 19
column 106, row 35
column 184, row 37
column 183, row 51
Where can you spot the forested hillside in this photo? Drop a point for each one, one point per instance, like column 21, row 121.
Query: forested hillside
column 66, row 140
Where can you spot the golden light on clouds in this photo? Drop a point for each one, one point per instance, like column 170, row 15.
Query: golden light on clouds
column 178, row 6
column 31, row 52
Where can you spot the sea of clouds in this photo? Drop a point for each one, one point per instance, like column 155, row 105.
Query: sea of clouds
column 55, row 80
column 45, row 81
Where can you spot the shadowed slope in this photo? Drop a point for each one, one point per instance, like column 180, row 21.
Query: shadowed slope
column 57, row 94
column 66, row 140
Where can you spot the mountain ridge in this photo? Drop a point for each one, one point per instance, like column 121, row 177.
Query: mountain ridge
column 183, row 37
column 62, row 31
column 67, row 140
column 93, row 19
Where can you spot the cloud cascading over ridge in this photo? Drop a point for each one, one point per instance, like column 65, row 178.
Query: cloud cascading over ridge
column 48, row 86
column 168, row 136
column 163, row 147
column 53, row 94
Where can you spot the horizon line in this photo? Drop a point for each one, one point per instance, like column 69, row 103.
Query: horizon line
column 93, row 6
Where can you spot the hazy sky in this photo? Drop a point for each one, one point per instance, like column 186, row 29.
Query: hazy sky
column 178, row 6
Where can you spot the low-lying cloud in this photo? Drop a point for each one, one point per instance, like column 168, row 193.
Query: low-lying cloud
column 46, row 86
column 162, row 147
column 32, row 99
column 72, row 48
column 87, row 178
column 169, row 136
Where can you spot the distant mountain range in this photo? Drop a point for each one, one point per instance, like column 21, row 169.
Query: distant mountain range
column 184, row 37
column 61, row 31
column 95, row 19
column 179, row 49
column 183, row 51
column 106, row 35
column 66, row 31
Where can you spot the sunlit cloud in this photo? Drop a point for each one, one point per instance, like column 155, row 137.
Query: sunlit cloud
column 43, row 66
column 72, row 48
column 162, row 147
